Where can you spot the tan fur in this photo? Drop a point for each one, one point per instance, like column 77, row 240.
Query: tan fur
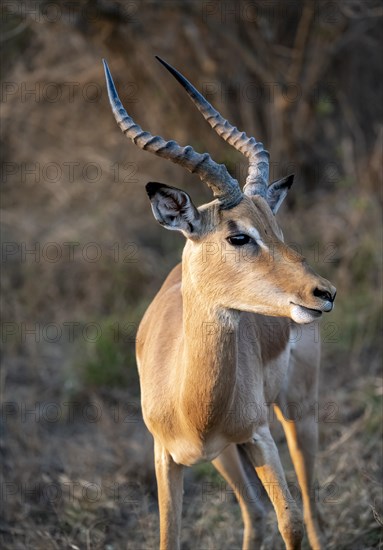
column 213, row 352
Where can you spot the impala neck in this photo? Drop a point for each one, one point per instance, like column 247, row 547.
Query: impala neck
column 210, row 356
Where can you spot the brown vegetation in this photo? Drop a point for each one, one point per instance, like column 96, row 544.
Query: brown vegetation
column 303, row 77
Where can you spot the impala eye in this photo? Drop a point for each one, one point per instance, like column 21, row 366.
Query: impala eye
column 239, row 240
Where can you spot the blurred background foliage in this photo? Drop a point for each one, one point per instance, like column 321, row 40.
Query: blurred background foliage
column 82, row 255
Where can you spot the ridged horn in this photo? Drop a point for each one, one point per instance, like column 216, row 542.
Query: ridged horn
column 225, row 188
column 258, row 172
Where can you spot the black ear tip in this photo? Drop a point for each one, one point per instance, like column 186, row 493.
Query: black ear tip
column 152, row 188
column 290, row 180
column 284, row 182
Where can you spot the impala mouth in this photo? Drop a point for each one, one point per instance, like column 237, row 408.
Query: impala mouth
column 302, row 314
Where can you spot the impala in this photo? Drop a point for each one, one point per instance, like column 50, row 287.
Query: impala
column 213, row 348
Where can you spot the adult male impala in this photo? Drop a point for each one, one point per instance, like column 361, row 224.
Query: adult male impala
column 213, row 347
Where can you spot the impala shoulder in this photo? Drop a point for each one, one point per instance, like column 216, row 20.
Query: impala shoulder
column 164, row 311
column 174, row 278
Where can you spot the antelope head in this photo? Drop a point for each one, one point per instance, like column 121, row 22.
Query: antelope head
column 235, row 257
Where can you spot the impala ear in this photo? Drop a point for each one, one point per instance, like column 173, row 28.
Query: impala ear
column 174, row 209
column 277, row 191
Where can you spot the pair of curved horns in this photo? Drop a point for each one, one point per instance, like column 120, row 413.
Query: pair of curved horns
column 225, row 188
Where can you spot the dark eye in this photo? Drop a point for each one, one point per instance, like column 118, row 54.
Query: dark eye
column 239, row 240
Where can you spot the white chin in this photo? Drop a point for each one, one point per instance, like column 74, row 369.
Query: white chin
column 303, row 315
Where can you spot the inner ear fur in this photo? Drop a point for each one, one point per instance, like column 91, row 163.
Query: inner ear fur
column 174, row 209
column 277, row 191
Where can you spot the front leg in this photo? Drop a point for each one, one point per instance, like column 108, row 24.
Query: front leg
column 170, row 487
column 302, row 439
column 230, row 465
column 264, row 456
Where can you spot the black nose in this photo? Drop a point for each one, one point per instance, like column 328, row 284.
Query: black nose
column 324, row 295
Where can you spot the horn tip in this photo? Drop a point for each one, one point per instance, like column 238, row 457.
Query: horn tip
column 105, row 63
column 112, row 92
column 163, row 62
